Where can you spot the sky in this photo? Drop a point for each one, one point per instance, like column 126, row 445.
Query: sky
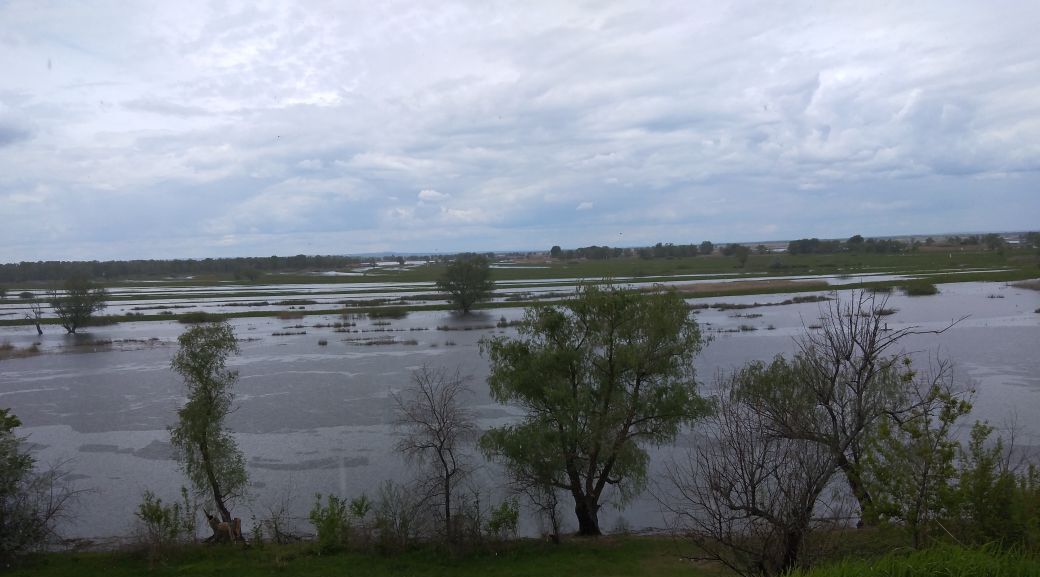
column 195, row 129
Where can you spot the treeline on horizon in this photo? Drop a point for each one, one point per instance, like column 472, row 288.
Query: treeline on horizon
column 245, row 268
column 251, row 268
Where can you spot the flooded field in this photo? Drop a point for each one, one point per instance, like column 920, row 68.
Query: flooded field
column 315, row 417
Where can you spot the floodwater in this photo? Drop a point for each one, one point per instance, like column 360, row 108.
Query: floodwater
column 319, row 418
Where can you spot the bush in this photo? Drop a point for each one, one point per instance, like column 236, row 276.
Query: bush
column 399, row 517
column 330, row 522
column 504, row 520
column 31, row 502
column 920, row 289
column 388, row 313
column 164, row 525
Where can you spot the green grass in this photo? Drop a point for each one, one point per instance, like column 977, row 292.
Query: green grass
column 940, row 561
column 606, row 557
column 631, row 556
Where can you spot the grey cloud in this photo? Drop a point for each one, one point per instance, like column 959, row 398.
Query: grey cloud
column 727, row 121
column 11, row 133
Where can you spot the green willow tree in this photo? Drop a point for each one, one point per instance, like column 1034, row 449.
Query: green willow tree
column 205, row 447
column 78, row 303
column 599, row 377
column 467, row 281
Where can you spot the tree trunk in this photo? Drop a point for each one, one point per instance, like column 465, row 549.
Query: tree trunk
column 587, row 511
column 448, row 533
column 792, row 548
column 218, row 497
column 858, row 488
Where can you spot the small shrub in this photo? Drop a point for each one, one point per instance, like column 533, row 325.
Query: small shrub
column 163, row 525
column 388, row 313
column 920, row 288
column 504, row 520
column 360, row 507
column 399, row 517
column 25, row 295
column 330, row 522
column 323, row 342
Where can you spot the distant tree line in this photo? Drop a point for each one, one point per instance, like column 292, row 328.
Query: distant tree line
column 855, row 244
column 659, row 250
column 248, row 268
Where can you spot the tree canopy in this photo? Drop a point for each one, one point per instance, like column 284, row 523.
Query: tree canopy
column 205, row 447
column 599, row 378
column 467, row 281
column 80, row 300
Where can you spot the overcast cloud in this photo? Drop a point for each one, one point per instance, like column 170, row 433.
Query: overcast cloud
column 193, row 129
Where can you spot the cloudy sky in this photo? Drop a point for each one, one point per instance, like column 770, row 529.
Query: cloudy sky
column 193, row 129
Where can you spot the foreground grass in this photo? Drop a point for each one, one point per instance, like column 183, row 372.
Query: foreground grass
column 941, row 561
column 629, row 556
column 607, row 557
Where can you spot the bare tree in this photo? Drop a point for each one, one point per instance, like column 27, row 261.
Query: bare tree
column 845, row 378
column 747, row 497
column 35, row 315
column 436, row 429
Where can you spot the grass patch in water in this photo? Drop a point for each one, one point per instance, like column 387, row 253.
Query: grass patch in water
column 920, row 289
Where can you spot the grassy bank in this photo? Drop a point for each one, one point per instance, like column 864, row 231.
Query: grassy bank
column 613, row 556
column 943, row 561
column 632, row 556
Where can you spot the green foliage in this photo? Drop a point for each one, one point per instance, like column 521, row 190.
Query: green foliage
column 996, row 503
column 504, row 520
column 17, row 531
column 912, row 461
column 920, row 289
column 598, row 377
column 164, row 525
column 467, row 281
column 360, row 507
column 204, row 446
column 332, row 523
column 79, row 302
column 31, row 502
